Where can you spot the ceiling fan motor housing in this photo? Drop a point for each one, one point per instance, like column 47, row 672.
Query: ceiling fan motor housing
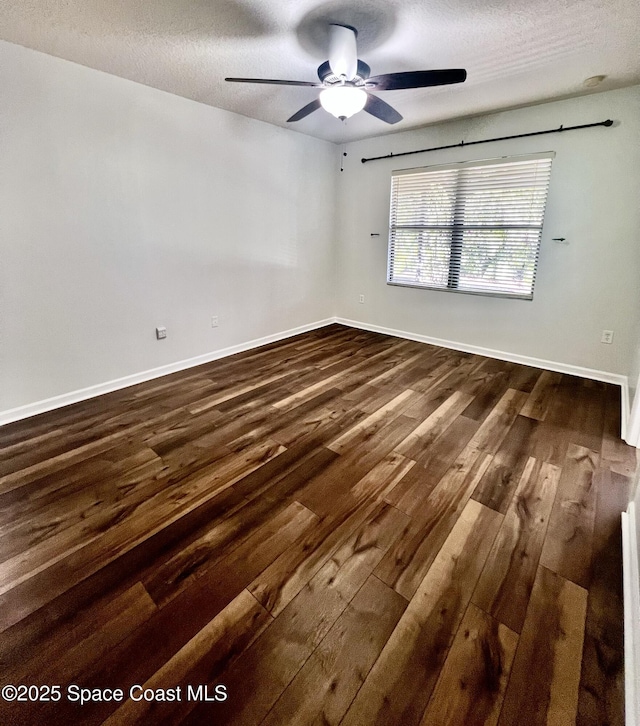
column 326, row 75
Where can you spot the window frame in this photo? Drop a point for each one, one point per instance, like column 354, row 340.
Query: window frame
column 452, row 268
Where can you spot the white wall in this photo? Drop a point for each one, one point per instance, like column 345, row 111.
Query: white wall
column 633, row 431
column 582, row 288
column 124, row 208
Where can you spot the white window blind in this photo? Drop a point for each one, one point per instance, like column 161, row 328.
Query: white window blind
column 474, row 227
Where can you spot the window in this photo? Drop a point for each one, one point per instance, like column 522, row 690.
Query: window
column 472, row 227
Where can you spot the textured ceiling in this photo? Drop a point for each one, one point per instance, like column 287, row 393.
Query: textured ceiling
column 516, row 52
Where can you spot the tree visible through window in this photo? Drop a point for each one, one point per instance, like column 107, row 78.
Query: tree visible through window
column 474, row 227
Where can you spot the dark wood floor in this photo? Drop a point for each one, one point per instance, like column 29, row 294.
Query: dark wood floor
column 339, row 528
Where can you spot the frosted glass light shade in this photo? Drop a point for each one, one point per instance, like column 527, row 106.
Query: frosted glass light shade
column 343, row 101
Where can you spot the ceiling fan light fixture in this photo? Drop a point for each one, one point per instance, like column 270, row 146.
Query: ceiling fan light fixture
column 343, row 101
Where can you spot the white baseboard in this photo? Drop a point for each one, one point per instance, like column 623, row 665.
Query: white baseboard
column 549, row 365
column 592, row 373
column 32, row 409
column 625, row 413
column 631, row 572
column 633, row 430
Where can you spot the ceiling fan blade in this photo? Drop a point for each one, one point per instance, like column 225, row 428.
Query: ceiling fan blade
column 380, row 109
column 305, row 111
column 343, row 53
column 416, row 79
column 275, row 82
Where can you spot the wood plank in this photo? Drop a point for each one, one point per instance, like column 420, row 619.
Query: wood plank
column 331, row 490
column 198, row 661
column 91, row 493
column 313, row 416
column 18, row 478
column 480, row 378
column 601, row 698
column 152, row 512
column 54, row 596
column 50, row 600
column 368, row 398
column 62, row 659
column 579, row 411
column 123, row 466
column 494, row 428
column 541, row 396
column 498, row 485
column 126, row 522
column 456, row 367
column 462, row 370
column 605, row 592
column 411, row 491
column 393, row 373
column 263, row 671
column 145, row 651
column 549, row 442
column 521, row 377
column 441, row 454
column 587, row 423
column 485, row 399
column 324, row 687
column 383, row 478
column 375, row 525
column 377, row 359
column 505, row 584
column 224, row 541
column 288, row 574
column 76, row 442
column 372, row 423
column 433, row 426
column 546, row 671
column 568, row 543
column 425, row 403
column 409, row 495
column 408, row 560
column 226, row 394
column 474, row 677
column 399, row 685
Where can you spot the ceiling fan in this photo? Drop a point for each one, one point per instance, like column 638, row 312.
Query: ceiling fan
column 347, row 85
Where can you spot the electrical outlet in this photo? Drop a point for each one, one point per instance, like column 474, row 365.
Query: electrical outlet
column 361, row 299
column 214, row 321
column 607, row 337
column 161, row 333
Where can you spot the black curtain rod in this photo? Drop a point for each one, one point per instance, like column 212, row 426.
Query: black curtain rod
column 608, row 122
